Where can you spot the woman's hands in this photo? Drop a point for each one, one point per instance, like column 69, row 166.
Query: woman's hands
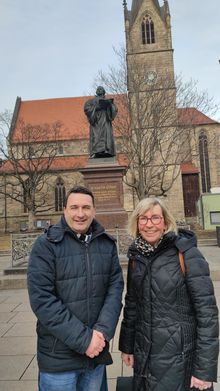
column 200, row 384
column 128, row 359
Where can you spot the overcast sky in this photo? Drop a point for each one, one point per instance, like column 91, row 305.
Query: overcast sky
column 53, row 48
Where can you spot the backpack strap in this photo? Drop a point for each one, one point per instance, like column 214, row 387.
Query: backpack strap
column 182, row 263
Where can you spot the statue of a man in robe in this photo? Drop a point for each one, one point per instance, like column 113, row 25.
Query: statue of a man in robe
column 100, row 113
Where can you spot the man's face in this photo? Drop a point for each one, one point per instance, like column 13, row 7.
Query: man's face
column 79, row 212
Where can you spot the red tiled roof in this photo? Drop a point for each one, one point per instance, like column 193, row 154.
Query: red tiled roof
column 191, row 116
column 68, row 163
column 68, row 111
column 59, row 163
column 188, row 168
column 62, row 163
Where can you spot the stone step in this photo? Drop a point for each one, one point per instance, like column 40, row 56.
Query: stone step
column 207, row 242
column 20, row 281
column 201, row 235
column 200, row 232
column 13, row 282
column 4, row 252
column 15, row 270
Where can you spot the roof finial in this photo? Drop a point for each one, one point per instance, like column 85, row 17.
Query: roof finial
column 124, row 3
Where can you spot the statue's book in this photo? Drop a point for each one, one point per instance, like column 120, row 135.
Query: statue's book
column 105, row 103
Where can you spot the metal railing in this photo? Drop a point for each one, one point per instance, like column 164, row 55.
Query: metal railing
column 21, row 245
column 123, row 240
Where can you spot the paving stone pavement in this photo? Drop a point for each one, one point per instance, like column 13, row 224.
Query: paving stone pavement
column 18, row 366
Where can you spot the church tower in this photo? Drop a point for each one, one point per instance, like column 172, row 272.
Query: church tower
column 152, row 101
column 149, row 43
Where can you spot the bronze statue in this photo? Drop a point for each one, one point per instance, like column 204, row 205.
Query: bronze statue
column 100, row 113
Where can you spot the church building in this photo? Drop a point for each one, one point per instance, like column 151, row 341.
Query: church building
column 150, row 77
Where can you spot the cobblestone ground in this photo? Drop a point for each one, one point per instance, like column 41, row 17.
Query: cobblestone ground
column 18, row 367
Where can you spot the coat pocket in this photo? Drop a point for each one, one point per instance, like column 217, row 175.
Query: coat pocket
column 188, row 335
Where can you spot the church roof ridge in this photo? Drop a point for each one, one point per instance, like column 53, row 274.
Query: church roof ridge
column 192, row 116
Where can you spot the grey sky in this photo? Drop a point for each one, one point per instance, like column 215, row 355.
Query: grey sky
column 54, row 49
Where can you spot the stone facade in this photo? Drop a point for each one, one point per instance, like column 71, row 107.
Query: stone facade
column 15, row 219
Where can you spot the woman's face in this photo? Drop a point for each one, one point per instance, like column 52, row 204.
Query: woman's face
column 151, row 225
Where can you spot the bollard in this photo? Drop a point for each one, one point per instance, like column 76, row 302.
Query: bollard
column 218, row 235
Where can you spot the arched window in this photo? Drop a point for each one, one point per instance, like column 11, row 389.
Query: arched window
column 60, row 149
column 60, row 194
column 147, row 30
column 26, row 195
column 204, row 163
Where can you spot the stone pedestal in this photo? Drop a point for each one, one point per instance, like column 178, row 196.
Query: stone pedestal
column 104, row 177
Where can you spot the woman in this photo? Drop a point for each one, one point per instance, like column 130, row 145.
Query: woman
column 169, row 333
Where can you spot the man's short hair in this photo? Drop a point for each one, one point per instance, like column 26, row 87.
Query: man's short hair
column 79, row 190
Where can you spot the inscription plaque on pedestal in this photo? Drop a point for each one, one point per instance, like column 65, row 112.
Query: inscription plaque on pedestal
column 105, row 180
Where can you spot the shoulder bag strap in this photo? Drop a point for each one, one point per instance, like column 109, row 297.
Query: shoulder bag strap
column 182, row 263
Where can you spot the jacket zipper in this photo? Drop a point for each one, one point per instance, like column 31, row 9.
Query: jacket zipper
column 88, row 267
column 89, row 276
column 148, row 268
column 54, row 345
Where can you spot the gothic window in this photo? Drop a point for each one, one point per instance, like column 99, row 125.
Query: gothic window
column 147, row 30
column 60, row 193
column 204, row 163
column 26, row 195
column 31, row 152
column 60, row 149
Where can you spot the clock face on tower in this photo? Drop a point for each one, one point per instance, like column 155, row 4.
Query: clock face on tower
column 151, row 77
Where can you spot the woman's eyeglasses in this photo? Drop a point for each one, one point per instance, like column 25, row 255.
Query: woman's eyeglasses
column 155, row 219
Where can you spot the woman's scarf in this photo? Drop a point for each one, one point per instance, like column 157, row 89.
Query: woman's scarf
column 144, row 247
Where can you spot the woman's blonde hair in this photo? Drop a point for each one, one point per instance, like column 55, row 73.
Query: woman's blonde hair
column 142, row 207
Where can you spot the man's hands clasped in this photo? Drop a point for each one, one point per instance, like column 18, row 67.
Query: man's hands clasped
column 96, row 345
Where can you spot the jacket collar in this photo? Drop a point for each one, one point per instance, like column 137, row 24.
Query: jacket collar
column 55, row 233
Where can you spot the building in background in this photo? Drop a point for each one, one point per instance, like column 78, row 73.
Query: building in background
column 150, row 70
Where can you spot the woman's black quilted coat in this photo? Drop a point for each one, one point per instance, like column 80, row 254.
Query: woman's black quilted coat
column 170, row 319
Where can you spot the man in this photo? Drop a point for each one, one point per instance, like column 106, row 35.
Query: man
column 75, row 286
column 100, row 113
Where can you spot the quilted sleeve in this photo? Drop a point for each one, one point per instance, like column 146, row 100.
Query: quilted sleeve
column 127, row 332
column 202, row 295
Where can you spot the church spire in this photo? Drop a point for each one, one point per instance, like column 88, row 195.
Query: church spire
column 167, row 15
column 125, row 8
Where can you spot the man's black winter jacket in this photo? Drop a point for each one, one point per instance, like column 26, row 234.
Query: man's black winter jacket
column 74, row 287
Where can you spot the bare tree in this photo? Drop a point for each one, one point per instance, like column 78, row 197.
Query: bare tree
column 28, row 155
column 154, row 136
column 5, row 123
